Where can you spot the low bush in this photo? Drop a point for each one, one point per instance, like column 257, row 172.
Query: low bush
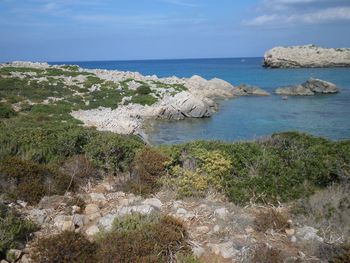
column 157, row 241
column 6, row 111
column 284, row 167
column 271, row 219
column 14, row 230
column 112, row 152
column 80, row 168
column 334, row 253
column 263, row 253
column 66, row 247
column 30, row 181
column 143, row 90
column 148, row 166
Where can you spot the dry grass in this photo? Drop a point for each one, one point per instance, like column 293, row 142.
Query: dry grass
column 271, row 219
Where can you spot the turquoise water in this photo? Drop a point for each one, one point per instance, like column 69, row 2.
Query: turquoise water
column 250, row 117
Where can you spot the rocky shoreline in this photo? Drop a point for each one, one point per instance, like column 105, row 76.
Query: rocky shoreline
column 309, row 56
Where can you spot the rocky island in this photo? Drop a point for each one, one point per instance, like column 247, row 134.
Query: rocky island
column 309, row 56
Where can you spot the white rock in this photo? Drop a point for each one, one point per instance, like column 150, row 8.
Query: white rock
column 78, row 220
column 308, row 233
column 155, row 202
column 68, row 226
column 216, row 228
column 97, row 197
column 221, row 213
column 91, row 209
column 226, row 250
column 13, row 255
column 92, row 230
column 106, row 221
column 198, row 251
column 141, row 209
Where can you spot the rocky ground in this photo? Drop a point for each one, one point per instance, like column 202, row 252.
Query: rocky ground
column 219, row 230
column 308, row 56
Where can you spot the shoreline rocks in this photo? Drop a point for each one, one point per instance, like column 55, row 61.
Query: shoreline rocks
column 308, row 56
column 309, row 88
column 247, row 90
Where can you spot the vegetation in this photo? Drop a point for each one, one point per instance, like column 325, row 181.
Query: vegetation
column 147, row 168
column 263, row 253
column 6, row 111
column 14, row 230
column 29, row 181
column 140, row 239
column 285, row 167
column 67, row 247
column 271, row 219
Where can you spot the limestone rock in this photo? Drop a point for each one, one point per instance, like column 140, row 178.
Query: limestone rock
column 92, row 230
column 221, row 213
column 226, row 250
column 182, row 105
column 308, row 56
column 155, row 202
column 309, row 88
column 141, row 209
column 13, row 255
column 247, row 90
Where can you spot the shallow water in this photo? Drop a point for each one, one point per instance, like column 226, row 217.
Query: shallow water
column 249, row 117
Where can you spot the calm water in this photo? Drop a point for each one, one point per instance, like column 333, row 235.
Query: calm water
column 250, row 117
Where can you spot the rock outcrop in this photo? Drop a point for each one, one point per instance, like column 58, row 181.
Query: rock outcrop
column 247, row 90
column 308, row 56
column 309, row 88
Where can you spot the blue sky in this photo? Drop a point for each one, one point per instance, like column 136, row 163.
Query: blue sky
column 72, row 30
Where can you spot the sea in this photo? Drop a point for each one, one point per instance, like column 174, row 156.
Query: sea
column 247, row 118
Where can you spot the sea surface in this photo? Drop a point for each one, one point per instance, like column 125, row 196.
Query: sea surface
column 248, row 118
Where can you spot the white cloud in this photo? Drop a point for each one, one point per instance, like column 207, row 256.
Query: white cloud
column 278, row 17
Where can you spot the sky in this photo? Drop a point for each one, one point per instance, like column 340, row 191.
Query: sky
column 83, row 30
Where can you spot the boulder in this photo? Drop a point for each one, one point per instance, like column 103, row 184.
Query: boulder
column 92, row 230
column 141, row 209
column 308, row 56
column 155, row 202
column 13, row 255
column 247, row 90
column 226, row 250
column 182, row 105
column 221, row 213
column 309, row 88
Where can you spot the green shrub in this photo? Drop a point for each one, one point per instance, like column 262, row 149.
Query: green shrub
column 67, row 247
column 14, row 230
column 29, row 181
column 158, row 241
column 144, row 99
column 6, row 111
column 143, row 90
column 147, row 167
column 285, row 167
column 112, row 152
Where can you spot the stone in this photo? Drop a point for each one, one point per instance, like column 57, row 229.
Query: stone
column 308, row 56
column 97, row 197
column 13, row 255
column 155, row 202
column 141, row 209
column 68, row 226
column 221, row 213
column 198, row 251
column 106, row 221
column 293, row 239
column 226, row 250
column 39, row 216
column 51, row 202
column 24, row 259
column 216, row 229
column 92, row 209
column 78, row 220
column 184, row 214
column 92, row 230
column 247, row 90
column 308, row 233
column 202, row 230
column 309, row 88
column 290, row 231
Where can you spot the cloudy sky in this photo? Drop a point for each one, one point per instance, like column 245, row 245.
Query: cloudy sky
column 75, row 30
